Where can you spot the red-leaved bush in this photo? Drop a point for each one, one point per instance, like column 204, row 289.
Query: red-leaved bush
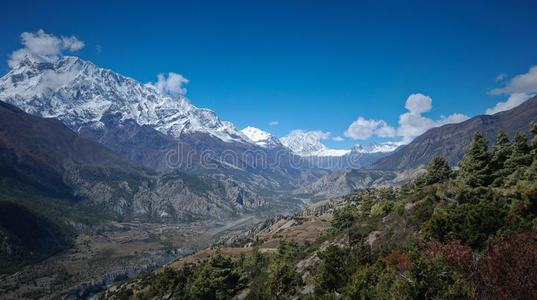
column 506, row 270
column 455, row 254
column 399, row 260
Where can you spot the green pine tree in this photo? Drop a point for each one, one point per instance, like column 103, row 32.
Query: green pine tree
column 332, row 272
column 438, row 171
column 533, row 129
column 218, row 279
column 520, row 154
column 283, row 280
column 500, row 153
column 475, row 170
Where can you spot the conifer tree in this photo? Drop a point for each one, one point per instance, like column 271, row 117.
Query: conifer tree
column 500, row 152
column 438, row 171
column 475, row 168
column 218, row 279
column 533, row 129
column 331, row 273
column 283, row 280
column 520, row 154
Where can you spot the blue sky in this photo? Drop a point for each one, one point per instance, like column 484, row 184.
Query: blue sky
column 312, row 65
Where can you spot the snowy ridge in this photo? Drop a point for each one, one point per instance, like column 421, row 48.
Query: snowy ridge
column 375, row 147
column 79, row 94
column 261, row 138
column 308, row 143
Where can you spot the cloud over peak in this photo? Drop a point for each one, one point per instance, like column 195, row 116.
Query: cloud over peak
column 172, row 85
column 44, row 46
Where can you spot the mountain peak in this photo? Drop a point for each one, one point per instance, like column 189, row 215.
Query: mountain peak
column 308, row 143
column 80, row 94
column 261, row 138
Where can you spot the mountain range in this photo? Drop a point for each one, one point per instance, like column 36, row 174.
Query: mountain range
column 161, row 132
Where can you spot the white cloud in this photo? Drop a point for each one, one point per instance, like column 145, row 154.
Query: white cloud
column 274, row 123
column 523, row 83
column 500, row 77
column 418, row 103
column 385, row 130
column 454, row 118
column 411, row 123
column 318, row 134
column 513, row 101
column 44, row 47
column 72, row 43
column 173, row 84
column 337, row 139
column 520, row 88
column 363, row 129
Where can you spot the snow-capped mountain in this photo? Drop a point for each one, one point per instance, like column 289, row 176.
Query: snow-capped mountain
column 261, row 138
column 128, row 116
column 80, row 94
column 375, row 147
column 139, row 121
column 308, row 143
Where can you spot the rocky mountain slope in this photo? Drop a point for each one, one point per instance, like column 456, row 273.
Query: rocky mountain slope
column 344, row 182
column 44, row 157
column 357, row 157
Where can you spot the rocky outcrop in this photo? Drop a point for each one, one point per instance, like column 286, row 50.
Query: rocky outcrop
column 344, row 182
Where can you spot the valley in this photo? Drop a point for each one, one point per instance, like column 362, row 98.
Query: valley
column 99, row 258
